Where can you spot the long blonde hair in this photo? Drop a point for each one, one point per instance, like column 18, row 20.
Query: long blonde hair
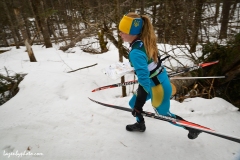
column 147, row 36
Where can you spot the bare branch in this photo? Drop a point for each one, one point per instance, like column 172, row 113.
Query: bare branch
column 82, row 68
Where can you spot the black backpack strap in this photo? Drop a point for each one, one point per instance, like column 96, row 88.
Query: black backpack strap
column 163, row 59
column 159, row 66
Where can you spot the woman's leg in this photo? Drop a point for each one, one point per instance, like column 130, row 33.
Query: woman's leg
column 161, row 99
column 138, row 99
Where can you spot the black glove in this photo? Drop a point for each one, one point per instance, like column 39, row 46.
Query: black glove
column 136, row 112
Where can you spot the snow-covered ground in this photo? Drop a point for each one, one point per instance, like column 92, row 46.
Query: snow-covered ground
column 51, row 118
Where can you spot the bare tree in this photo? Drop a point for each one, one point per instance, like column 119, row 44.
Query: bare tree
column 196, row 25
column 11, row 23
column 225, row 19
column 142, row 6
column 120, row 46
column 4, row 36
column 38, row 9
column 216, row 11
column 22, row 27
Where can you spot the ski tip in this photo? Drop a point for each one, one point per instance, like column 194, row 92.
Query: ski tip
column 213, row 62
column 91, row 99
column 209, row 63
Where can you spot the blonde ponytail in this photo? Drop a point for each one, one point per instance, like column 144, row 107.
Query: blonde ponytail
column 147, row 36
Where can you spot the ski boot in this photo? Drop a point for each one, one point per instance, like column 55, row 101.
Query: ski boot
column 138, row 126
column 193, row 134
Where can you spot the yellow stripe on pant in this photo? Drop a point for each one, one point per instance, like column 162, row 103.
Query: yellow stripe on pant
column 157, row 95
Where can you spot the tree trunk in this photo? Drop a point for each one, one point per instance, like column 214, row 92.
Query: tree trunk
column 142, row 7
column 225, row 19
column 233, row 9
column 27, row 27
column 38, row 10
column 11, row 24
column 196, row 25
column 120, row 46
column 216, row 11
column 20, row 23
column 23, row 30
column 166, row 22
column 120, row 49
column 30, row 52
column 159, row 22
column 4, row 38
column 154, row 13
column 102, row 42
column 37, row 29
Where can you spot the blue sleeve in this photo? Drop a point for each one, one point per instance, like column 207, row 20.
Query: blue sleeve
column 139, row 61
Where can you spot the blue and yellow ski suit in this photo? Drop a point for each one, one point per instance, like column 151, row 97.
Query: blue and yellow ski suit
column 157, row 88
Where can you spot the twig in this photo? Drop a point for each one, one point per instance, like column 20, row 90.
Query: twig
column 123, row 144
column 209, row 92
column 82, row 68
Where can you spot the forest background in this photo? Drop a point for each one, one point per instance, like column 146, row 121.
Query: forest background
column 213, row 25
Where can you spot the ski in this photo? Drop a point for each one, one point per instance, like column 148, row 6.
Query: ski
column 116, row 85
column 171, row 75
column 211, row 77
column 189, row 69
column 181, row 122
column 135, row 82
